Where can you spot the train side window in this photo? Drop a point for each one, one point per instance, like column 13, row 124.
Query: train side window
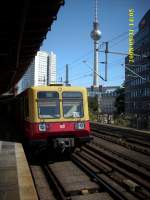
column 72, row 104
column 48, row 104
column 26, row 107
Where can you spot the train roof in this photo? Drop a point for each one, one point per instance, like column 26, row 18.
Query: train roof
column 56, row 87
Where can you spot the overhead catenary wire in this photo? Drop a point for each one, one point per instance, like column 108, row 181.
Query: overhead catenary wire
column 71, row 64
column 100, row 46
column 133, row 72
column 80, row 77
column 124, row 53
column 79, row 74
column 120, row 35
column 75, row 68
column 77, row 61
column 117, row 43
column 118, row 60
column 84, row 61
column 91, row 69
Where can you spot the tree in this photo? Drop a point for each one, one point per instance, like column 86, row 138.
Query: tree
column 93, row 103
column 93, row 107
column 120, row 100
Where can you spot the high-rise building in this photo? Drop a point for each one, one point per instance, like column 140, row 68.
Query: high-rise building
column 28, row 78
column 42, row 70
column 137, row 85
column 51, row 71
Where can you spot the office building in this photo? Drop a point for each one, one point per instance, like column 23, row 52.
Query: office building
column 51, row 71
column 28, row 77
column 137, row 85
column 42, row 70
column 106, row 97
column 106, row 100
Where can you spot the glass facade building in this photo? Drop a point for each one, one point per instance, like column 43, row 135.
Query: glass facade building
column 42, row 70
column 137, row 85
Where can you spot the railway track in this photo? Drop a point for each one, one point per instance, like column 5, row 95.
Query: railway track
column 130, row 144
column 120, row 162
column 129, row 133
column 112, row 166
column 139, row 142
column 116, row 175
column 128, row 154
column 65, row 181
column 110, row 178
column 43, row 187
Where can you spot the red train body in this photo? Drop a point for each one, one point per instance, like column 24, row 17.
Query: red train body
column 55, row 116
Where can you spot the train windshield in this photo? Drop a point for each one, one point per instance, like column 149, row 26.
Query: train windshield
column 72, row 104
column 48, row 105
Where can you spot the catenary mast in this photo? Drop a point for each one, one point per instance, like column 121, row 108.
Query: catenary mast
column 96, row 35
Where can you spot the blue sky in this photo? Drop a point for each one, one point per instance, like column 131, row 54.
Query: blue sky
column 70, row 37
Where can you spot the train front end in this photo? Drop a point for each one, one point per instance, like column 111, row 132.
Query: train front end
column 58, row 117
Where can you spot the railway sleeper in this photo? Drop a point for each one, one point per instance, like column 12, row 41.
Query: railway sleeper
column 144, row 189
column 87, row 164
column 124, row 143
column 95, row 162
column 123, row 132
column 72, row 180
column 119, row 189
column 95, row 196
column 123, row 171
column 117, row 177
column 107, row 183
column 122, row 163
column 144, row 167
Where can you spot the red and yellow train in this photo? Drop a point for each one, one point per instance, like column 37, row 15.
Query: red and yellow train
column 55, row 116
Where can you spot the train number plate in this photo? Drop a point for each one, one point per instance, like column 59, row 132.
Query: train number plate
column 62, row 126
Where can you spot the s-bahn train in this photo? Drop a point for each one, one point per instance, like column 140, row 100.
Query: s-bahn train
column 55, row 116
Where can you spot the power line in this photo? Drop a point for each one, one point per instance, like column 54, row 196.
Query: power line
column 80, row 58
column 79, row 72
column 133, row 72
column 94, row 70
column 83, row 76
column 116, row 61
column 124, row 54
column 77, row 75
column 100, row 46
column 79, row 63
column 77, row 60
column 123, row 39
column 120, row 35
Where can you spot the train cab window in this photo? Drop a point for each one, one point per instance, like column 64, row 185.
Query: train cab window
column 48, row 105
column 72, row 104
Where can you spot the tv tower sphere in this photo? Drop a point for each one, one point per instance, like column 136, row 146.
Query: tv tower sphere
column 96, row 34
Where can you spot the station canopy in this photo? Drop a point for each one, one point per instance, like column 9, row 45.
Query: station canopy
column 23, row 27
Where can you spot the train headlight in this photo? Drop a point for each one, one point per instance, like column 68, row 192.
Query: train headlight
column 42, row 127
column 80, row 125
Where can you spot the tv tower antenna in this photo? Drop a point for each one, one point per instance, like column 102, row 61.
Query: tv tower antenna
column 96, row 35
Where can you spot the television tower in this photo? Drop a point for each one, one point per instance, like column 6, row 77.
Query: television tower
column 96, row 35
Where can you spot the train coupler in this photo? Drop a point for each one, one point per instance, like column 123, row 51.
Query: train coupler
column 62, row 144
